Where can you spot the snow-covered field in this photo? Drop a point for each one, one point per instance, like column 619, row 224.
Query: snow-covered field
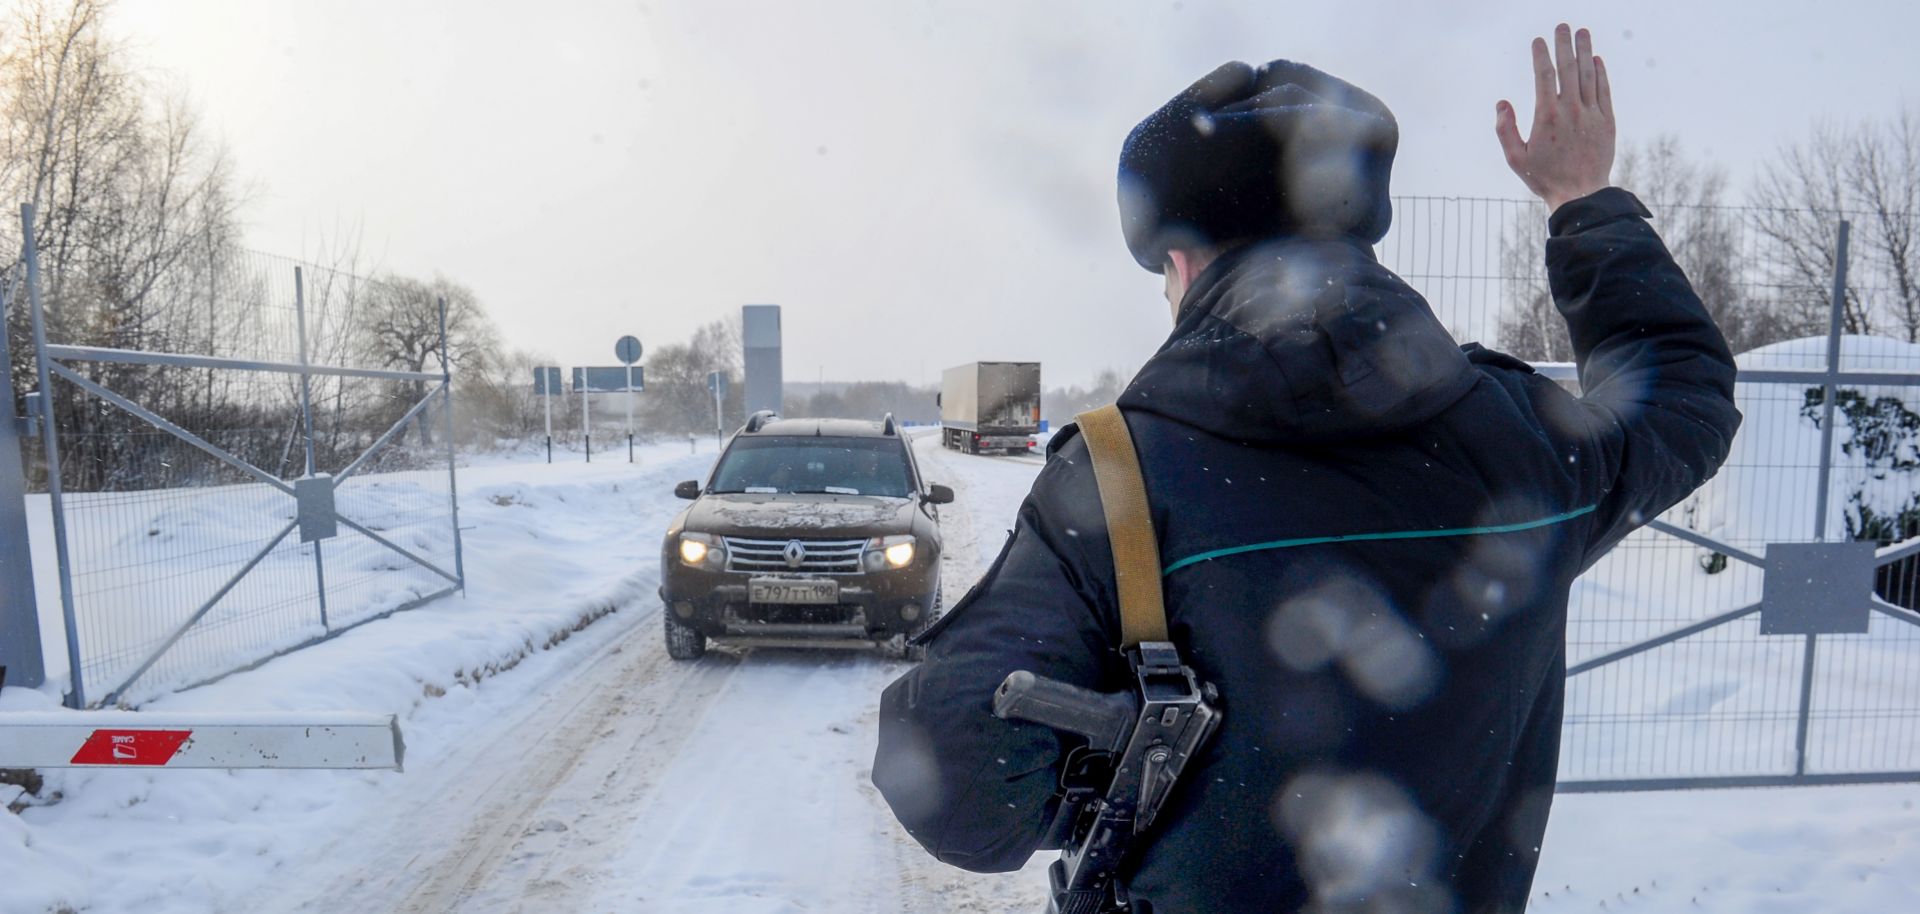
column 556, row 765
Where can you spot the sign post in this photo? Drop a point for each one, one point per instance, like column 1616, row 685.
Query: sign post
column 717, row 382
column 627, row 350
column 597, row 380
column 546, row 386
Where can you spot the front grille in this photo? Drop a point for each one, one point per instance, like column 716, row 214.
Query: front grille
column 817, row 556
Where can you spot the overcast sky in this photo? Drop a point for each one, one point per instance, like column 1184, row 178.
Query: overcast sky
column 917, row 183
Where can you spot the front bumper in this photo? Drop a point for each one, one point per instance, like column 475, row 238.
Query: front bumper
column 864, row 614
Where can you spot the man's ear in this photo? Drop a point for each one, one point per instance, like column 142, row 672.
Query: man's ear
column 1184, row 265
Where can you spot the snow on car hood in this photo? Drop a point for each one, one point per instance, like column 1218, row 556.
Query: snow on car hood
column 744, row 515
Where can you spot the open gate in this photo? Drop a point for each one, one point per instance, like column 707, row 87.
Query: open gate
column 181, row 557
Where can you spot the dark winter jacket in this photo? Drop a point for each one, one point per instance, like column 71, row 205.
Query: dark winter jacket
column 1369, row 534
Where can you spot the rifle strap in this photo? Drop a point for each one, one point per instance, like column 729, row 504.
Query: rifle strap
column 1136, row 551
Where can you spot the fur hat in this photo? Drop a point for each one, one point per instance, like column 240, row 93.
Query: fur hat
column 1251, row 152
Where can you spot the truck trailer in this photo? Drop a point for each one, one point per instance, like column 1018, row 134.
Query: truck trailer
column 990, row 406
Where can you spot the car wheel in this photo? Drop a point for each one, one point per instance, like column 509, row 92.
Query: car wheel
column 683, row 642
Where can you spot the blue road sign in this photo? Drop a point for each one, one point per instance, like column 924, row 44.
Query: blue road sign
column 546, row 381
column 717, row 383
column 627, row 350
column 612, row 380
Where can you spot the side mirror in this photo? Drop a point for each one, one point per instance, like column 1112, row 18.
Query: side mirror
column 688, row 490
column 939, row 495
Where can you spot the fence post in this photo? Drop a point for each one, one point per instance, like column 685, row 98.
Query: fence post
column 1829, row 391
column 20, row 645
column 306, row 427
column 453, row 484
column 50, row 435
column 1829, row 394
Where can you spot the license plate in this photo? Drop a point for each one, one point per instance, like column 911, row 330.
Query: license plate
column 781, row 590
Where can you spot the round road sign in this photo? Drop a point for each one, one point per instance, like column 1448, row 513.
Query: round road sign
column 627, row 350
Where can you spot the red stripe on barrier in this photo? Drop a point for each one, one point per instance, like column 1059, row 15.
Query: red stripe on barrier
column 130, row 747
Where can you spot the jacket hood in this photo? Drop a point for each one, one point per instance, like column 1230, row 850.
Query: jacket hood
column 1302, row 341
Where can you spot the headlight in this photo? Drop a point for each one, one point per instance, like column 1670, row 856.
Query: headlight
column 900, row 555
column 885, row 552
column 693, row 552
column 700, row 550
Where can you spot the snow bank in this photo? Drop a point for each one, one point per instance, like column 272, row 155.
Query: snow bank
column 551, row 549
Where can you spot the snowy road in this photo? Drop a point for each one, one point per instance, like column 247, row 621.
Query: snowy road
column 738, row 783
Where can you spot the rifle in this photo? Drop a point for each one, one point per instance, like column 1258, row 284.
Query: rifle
column 1138, row 743
column 1138, row 740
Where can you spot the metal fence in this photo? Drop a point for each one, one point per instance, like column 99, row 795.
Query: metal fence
column 224, row 484
column 1763, row 631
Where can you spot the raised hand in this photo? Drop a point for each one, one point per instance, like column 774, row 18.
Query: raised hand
column 1569, row 152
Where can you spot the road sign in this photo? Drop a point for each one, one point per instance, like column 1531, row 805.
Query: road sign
column 151, row 739
column 717, row 384
column 610, row 380
column 627, row 350
column 546, row 381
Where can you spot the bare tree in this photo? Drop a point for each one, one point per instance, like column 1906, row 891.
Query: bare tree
column 1531, row 327
column 497, row 402
column 1688, row 201
column 401, row 329
column 1870, row 175
column 677, row 400
column 129, row 195
column 1884, row 169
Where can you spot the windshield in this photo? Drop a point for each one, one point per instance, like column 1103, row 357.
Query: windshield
column 832, row 466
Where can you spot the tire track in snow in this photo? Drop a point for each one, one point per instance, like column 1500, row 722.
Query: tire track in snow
column 539, row 820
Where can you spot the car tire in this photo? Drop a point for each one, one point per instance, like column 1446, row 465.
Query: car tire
column 683, row 642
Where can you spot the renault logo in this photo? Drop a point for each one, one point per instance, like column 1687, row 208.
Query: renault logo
column 795, row 554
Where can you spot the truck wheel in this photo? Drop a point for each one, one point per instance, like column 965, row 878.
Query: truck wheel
column 683, row 643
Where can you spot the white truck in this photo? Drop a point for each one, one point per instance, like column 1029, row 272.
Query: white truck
column 990, row 406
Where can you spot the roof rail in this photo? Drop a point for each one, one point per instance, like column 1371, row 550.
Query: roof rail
column 886, row 425
column 755, row 421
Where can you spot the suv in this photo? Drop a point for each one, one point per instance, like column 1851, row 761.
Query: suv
column 809, row 531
